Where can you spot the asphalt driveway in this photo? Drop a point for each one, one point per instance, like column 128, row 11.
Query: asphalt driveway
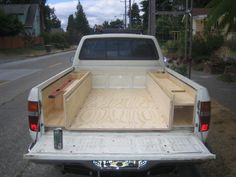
column 223, row 92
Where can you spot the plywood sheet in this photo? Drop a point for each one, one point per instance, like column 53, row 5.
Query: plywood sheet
column 119, row 109
column 184, row 99
column 184, row 95
column 183, row 116
column 55, row 118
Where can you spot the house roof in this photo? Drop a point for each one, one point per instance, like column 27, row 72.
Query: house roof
column 200, row 11
column 15, row 8
column 28, row 10
column 31, row 15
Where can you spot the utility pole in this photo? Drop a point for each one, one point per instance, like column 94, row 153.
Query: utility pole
column 186, row 32
column 130, row 23
column 125, row 13
column 190, row 39
column 152, row 18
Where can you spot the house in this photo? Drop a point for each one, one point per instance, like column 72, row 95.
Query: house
column 199, row 18
column 27, row 14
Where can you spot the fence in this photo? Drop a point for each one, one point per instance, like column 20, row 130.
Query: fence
column 11, row 42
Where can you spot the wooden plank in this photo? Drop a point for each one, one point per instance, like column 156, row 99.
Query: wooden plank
column 152, row 76
column 60, row 89
column 53, row 109
column 165, row 82
column 74, row 86
column 183, row 99
column 55, row 118
column 184, row 95
column 49, row 105
column 191, row 91
column 163, row 99
column 73, row 101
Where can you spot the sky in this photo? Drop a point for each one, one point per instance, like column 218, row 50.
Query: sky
column 97, row 11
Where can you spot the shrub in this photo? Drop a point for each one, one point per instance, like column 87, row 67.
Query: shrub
column 9, row 25
column 172, row 46
column 200, row 47
column 203, row 46
column 231, row 43
column 214, row 41
column 57, row 39
column 46, row 38
column 73, row 37
column 181, row 69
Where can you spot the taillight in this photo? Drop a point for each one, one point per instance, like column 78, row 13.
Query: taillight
column 33, row 108
column 33, row 123
column 204, row 115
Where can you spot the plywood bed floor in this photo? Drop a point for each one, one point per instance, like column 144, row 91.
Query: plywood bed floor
column 119, row 109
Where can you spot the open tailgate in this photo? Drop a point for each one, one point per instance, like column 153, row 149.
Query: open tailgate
column 161, row 147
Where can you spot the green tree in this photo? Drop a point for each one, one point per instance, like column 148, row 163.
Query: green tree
column 71, row 24
column 105, row 25
column 144, row 9
column 50, row 18
column 9, row 25
column 72, row 35
column 81, row 22
column 167, row 5
column 22, row 1
column 117, row 24
column 135, row 16
column 222, row 13
column 200, row 3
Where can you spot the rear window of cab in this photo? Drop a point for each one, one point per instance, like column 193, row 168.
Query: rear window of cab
column 118, row 49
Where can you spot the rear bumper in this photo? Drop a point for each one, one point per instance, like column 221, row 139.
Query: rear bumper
column 87, row 168
column 162, row 159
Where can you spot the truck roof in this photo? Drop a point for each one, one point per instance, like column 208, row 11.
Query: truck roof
column 119, row 35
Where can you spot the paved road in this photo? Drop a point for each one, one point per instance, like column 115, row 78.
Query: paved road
column 16, row 79
column 221, row 91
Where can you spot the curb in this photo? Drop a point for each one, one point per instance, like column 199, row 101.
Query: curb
column 49, row 53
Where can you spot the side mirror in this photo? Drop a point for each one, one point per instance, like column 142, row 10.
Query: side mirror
column 71, row 59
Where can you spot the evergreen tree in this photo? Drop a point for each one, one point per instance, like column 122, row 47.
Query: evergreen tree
column 135, row 16
column 105, row 25
column 22, row 1
column 144, row 9
column 50, row 19
column 117, row 24
column 71, row 24
column 81, row 22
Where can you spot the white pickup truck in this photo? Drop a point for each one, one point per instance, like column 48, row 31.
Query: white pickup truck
column 119, row 108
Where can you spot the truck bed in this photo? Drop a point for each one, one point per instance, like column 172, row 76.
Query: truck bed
column 74, row 102
column 119, row 109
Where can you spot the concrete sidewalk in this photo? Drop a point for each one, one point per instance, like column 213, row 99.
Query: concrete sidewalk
column 221, row 91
